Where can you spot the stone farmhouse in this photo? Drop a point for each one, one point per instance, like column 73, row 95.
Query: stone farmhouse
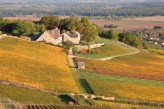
column 54, row 37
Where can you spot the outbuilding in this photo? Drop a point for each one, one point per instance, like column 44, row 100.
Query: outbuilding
column 81, row 65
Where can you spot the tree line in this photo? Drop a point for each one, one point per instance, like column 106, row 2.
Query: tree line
column 88, row 9
column 21, row 27
column 126, row 37
column 88, row 31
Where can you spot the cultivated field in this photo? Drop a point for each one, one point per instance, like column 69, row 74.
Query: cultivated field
column 129, row 24
column 23, row 18
column 144, row 65
column 35, row 64
column 153, row 18
column 30, row 18
column 68, row 107
column 127, row 90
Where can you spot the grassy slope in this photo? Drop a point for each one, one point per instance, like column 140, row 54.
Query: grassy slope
column 144, row 65
column 110, row 48
column 27, row 96
column 118, row 87
column 86, row 75
column 35, row 64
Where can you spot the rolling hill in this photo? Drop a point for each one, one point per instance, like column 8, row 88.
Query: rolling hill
column 35, row 65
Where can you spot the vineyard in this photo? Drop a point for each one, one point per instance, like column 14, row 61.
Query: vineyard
column 126, row 106
column 27, row 96
column 160, row 52
column 129, row 91
column 144, row 65
column 36, row 65
column 66, row 107
column 110, row 48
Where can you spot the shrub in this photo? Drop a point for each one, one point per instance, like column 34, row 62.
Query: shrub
column 83, row 50
column 157, row 27
column 94, row 51
column 75, row 50
column 67, row 45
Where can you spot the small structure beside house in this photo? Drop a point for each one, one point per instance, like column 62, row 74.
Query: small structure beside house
column 54, row 37
column 81, row 65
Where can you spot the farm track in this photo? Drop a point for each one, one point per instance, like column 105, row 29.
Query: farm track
column 110, row 57
column 116, row 56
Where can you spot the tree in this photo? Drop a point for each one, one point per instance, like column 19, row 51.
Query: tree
column 103, row 33
column 68, row 23
column 85, row 21
column 129, row 39
column 80, row 27
column 7, row 26
column 50, row 21
column 1, row 22
column 112, row 34
column 157, row 27
column 89, row 34
column 21, row 28
column 40, row 27
column 31, row 25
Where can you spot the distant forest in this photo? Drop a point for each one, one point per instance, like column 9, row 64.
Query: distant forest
column 82, row 9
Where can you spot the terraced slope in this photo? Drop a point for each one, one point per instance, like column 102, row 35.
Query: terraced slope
column 36, row 65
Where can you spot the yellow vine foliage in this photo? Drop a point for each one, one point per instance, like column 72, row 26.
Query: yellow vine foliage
column 144, row 65
column 127, row 90
column 35, row 64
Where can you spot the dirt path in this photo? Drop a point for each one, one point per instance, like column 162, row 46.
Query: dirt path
column 121, row 55
column 111, row 57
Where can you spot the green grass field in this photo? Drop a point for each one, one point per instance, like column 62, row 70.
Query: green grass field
column 27, row 96
column 111, row 48
column 86, row 75
column 35, row 64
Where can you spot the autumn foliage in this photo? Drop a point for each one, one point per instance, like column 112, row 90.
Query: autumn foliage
column 123, row 90
column 35, row 64
column 144, row 65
